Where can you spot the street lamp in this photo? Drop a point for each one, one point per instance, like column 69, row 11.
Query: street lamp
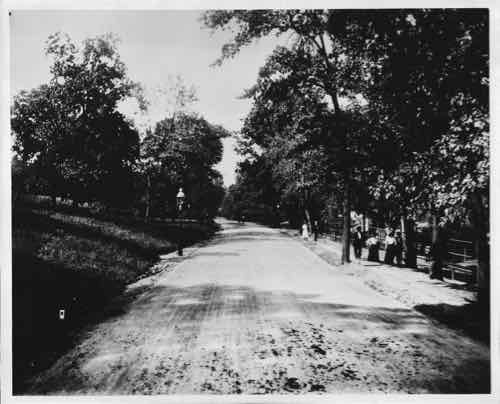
column 180, row 203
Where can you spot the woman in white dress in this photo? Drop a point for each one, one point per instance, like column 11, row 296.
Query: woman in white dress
column 305, row 232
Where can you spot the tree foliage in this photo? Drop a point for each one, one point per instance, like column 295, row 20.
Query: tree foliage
column 71, row 139
column 419, row 142
column 181, row 152
column 70, row 130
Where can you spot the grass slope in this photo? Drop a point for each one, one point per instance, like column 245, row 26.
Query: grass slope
column 75, row 263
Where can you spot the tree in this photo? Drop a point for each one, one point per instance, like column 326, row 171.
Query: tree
column 284, row 122
column 172, row 98
column 70, row 129
column 38, row 124
column 429, row 78
column 180, row 152
column 414, row 67
column 310, row 29
column 460, row 174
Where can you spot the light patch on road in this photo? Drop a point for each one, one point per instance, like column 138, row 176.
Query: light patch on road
column 186, row 302
column 236, row 297
column 100, row 360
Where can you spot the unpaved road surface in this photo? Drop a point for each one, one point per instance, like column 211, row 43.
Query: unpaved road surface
column 254, row 311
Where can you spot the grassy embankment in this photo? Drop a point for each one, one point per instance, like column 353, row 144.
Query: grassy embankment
column 76, row 263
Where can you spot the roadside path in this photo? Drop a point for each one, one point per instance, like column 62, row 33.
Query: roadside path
column 410, row 286
column 254, row 311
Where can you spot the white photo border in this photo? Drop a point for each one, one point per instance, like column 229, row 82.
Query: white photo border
column 5, row 196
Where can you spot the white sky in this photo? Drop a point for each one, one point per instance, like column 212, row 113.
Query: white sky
column 154, row 45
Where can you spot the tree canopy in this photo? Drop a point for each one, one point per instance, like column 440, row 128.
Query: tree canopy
column 181, row 152
column 72, row 141
column 70, row 129
column 393, row 104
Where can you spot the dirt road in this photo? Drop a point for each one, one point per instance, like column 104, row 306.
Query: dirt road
column 254, row 311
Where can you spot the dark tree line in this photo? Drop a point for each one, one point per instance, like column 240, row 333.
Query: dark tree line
column 71, row 141
column 381, row 112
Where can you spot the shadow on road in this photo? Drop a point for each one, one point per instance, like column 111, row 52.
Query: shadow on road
column 469, row 318
column 203, row 300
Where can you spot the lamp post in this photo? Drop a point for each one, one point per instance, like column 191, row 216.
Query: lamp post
column 278, row 214
column 180, row 204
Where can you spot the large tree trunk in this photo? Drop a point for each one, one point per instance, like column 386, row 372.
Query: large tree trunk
column 346, row 229
column 435, row 227
column 408, row 233
column 148, row 199
column 436, row 270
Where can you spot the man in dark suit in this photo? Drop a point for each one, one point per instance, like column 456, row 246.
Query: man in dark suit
column 357, row 242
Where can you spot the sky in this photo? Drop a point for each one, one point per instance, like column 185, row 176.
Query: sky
column 155, row 46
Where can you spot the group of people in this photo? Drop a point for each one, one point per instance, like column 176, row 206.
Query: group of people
column 393, row 246
column 393, row 243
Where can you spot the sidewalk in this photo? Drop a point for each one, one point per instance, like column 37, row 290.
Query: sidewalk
column 450, row 301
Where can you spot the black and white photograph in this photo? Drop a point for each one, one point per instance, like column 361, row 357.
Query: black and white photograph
column 249, row 203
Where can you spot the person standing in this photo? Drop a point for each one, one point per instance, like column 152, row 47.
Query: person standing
column 316, row 230
column 373, row 247
column 390, row 245
column 398, row 249
column 305, row 232
column 357, row 242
